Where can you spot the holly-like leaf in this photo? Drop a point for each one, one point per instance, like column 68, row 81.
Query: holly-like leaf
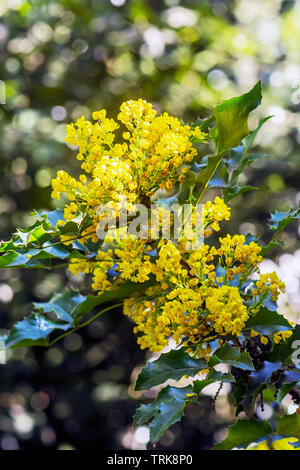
column 33, row 331
column 232, row 118
column 279, row 220
column 65, row 305
column 289, row 425
column 167, row 409
column 243, row 433
column 257, row 381
column 144, row 413
column 235, row 191
column 68, row 307
column 233, row 356
column 266, row 322
column 172, row 365
column 232, row 126
column 213, row 377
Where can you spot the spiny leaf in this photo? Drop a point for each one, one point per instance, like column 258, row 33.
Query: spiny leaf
column 172, row 365
column 64, row 305
column 213, row 377
column 69, row 307
column 233, row 356
column 266, row 322
column 279, row 220
column 167, row 409
column 256, row 383
column 33, row 331
column 144, row 413
column 232, row 118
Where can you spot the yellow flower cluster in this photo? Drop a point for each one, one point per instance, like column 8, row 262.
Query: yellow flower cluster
column 157, row 149
column 216, row 212
column 158, row 145
column 280, row 444
column 194, row 299
column 269, row 282
column 226, row 310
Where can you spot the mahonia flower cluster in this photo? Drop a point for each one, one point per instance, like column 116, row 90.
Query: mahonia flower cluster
column 196, row 295
column 202, row 295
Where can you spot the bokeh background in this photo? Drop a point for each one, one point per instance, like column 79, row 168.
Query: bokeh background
column 63, row 59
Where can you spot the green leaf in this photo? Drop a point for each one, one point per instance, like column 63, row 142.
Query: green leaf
column 144, row 413
column 64, row 305
column 266, row 322
column 170, row 404
column 273, row 244
column 172, row 365
column 279, row 220
column 167, row 409
column 257, row 381
column 51, row 216
column 33, row 331
column 243, row 433
column 284, row 350
column 125, row 290
column 284, row 390
column 235, row 191
column 233, row 356
column 212, row 377
column 289, row 425
column 242, row 160
column 69, row 307
column 232, row 118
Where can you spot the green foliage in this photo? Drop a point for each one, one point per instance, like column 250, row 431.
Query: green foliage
column 244, row 432
column 232, row 118
column 172, row 365
column 289, row 425
column 232, row 355
column 167, row 409
column 279, row 220
column 266, row 322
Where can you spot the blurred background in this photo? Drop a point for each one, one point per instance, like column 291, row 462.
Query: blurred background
column 63, row 59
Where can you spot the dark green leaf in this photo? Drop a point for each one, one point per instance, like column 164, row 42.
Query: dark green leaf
column 144, row 413
column 233, row 356
column 64, row 305
column 33, row 331
column 212, row 377
column 170, row 403
column 266, row 322
column 172, row 365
